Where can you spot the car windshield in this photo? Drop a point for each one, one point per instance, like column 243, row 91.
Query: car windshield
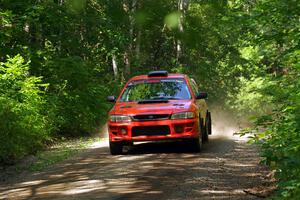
column 156, row 89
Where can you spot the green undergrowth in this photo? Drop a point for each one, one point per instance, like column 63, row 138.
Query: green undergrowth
column 60, row 151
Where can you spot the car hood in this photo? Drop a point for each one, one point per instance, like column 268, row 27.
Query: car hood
column 133, row 108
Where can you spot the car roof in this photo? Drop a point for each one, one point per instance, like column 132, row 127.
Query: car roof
column 145, row 77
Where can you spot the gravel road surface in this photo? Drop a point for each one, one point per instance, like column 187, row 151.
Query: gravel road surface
column 227, row 168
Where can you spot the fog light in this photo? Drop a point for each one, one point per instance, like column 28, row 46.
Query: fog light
column 188, row 129
column 190, row 124
column 179, row 128
column 123, row 131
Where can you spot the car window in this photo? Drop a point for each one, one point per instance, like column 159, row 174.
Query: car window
column 156, row 89
column 194, row 86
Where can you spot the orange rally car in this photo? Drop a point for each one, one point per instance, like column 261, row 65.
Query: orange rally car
column 159, row 106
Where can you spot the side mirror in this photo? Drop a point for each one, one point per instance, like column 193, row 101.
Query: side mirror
column 202, row 95
column 111, row 99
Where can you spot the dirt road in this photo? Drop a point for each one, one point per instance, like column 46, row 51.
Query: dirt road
column 225, row 169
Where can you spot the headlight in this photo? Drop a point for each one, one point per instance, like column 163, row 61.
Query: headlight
column 183, row 115
column 120, row 118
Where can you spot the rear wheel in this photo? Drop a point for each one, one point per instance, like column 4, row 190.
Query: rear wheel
column 203, row 131
column 208, row 124
column 207, row 128
column 116, row 148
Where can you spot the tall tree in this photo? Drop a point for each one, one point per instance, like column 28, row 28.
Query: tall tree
column 183, row 6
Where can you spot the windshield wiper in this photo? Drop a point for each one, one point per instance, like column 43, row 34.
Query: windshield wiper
column 158, row 100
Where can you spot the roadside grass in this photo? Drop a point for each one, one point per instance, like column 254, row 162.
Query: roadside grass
column 61, row 151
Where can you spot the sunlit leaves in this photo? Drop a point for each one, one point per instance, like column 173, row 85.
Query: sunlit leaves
column 172, row 20
column 23, row 126
column 271, row 92
column 76, row 6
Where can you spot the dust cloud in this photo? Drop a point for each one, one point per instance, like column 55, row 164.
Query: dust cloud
column 225, row 124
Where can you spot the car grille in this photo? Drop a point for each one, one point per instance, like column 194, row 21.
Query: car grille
column 150, row 130
column 151, row 117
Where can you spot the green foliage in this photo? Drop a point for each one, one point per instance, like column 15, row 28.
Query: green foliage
column 172, row 20
column 271, row 92
column 61, row 151
column 278, row 129
column 79, row 103
column 23, row 126
column 250, row 99
column 69, row 44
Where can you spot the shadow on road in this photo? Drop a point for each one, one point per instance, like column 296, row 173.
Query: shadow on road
column 223, row 170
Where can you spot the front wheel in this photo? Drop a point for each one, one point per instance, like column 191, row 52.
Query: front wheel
column 196, row 144
column 116, row 148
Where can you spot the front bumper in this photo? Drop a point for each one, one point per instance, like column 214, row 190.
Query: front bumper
column 178, row 129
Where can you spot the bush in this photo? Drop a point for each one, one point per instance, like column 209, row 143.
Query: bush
column 76, row 96
column 277, row 130
column 23, row 126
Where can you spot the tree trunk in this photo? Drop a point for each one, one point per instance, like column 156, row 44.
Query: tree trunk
column 138, row 45
column 138, row 35
column 115, row 65
column 60, row 33
column 182, row 8
column 127, row 63
column 130, row 8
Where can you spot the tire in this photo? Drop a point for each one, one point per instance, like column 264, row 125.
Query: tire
column 203, row 131
column 209, row 129
column 197, row 144
column 206, row 130
column 116, row 148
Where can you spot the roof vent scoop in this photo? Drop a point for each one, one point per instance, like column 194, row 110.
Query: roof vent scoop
column 157, row 73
